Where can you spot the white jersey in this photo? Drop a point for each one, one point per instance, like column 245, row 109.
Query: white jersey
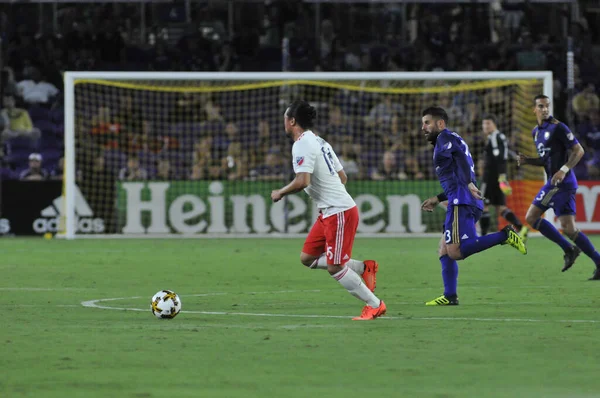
column 314, row 155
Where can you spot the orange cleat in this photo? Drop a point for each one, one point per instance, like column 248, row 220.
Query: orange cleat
column 370, row 274
column 369, row 313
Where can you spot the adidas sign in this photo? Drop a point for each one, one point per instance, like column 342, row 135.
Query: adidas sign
column 86, row 222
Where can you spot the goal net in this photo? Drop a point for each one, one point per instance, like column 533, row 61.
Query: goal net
column 199, row 153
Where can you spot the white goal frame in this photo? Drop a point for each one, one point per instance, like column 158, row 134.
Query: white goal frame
column 71, row 77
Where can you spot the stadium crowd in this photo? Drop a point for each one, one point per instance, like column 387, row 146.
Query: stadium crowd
column 372, row 134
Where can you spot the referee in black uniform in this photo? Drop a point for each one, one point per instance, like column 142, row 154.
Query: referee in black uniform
column 495, row 185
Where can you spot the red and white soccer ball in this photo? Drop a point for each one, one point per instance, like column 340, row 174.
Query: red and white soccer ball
column 165, row 304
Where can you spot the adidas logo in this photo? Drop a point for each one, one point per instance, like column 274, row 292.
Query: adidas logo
column 82, row 208
column 84, row 214
column 465, row 236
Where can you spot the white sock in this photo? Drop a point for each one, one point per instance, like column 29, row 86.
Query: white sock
column 320, row 263
column 355, row 265
column 355, row 286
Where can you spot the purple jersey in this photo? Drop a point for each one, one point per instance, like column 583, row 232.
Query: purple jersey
column 455, row 169
column 553, row 139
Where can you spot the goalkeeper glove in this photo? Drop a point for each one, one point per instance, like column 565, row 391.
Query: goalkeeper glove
column 504, row 185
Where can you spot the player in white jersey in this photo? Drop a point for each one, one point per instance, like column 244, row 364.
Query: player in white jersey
column 329, row 242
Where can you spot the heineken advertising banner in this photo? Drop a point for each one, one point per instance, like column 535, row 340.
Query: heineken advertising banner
column 196, row 207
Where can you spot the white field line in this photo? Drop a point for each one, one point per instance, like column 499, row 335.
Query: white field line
column 95, row 304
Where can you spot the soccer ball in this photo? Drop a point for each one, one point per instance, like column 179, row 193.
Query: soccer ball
column 165, row 304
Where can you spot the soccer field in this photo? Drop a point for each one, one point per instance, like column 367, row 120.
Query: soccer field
column 256, row 323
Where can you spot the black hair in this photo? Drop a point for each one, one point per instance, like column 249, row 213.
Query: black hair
column 540, row 96
column 303, row 112
column 437, row 113
column 491, row 117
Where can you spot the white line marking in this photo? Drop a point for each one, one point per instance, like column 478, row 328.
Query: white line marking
column 94, row 304
column 41, row 289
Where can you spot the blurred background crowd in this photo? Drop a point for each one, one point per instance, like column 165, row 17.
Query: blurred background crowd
column 41, row 41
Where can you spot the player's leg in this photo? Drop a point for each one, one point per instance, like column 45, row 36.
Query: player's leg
column 340, row 230
column 485, row 220
column 313, row 251
column 564, row 207
column 449, row 276
column 509, row 216
column 540, row 204
column 462, row 240
column 313, row 256
column 567, row 223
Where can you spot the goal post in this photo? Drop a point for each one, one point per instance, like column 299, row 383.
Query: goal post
column 166, row 122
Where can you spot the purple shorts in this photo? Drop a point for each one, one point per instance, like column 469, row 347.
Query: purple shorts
column 562, row 201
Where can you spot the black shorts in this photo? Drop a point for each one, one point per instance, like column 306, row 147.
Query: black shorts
column 492, row 193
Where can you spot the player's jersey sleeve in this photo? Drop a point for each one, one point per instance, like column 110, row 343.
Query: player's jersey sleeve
column 565, row 136
column 304, row 156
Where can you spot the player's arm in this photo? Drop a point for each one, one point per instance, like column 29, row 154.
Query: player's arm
column 301, row 181
column 337, row 166
column 576, row 152
column 304, row 156
column 523, row 160
column 343, row 176
column 430, row 203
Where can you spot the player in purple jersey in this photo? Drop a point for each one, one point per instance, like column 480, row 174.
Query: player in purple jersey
column 558, row 152
column 455, row 170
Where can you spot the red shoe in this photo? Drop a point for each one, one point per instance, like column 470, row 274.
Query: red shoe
column 369, row 313
column 370, row 274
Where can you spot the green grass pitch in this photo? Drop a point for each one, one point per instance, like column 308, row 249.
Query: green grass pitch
column 256, row 323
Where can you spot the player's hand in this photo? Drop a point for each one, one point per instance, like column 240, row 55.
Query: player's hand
column 430, row 204
column 276, row 196
column 504, row 185
column 558, row 177
column 521, row 160
column 475, row 191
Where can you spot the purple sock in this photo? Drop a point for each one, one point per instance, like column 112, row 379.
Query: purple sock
column 481, row 243
column 449, row 275
column 552, row 233
column 586, row 246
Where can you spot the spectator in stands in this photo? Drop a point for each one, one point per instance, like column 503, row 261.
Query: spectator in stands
column 227, row 60
column 35, row 172
column 349, row 160
column 164, row 171
column 337, row 127
column 105, row 129
column 204, row 166
column 9, row 84
column 271, row 170
column 589, row 135
column 388, row 169
column 384, row 112
column 35, row 90
column 529, row 57
column 586, row 101
column 235, row 163
column 133, row 171
column 58, row 171
column 17, row 122
column 412, row 168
